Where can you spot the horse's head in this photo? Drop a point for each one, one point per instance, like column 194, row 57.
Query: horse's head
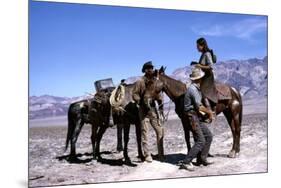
column 160, row 82
column 154, row 88
column 159, row 72
column 172, row 87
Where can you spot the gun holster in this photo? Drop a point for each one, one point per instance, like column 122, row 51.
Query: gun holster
column 193, row 119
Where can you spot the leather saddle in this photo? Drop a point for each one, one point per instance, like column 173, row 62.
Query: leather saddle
column 223, row 91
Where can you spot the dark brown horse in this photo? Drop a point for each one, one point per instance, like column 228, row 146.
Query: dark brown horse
column 124, row 115
column 127, row 113
column 230, row 105
column 95, row 111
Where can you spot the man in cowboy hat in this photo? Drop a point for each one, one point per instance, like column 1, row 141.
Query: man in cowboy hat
column 148, row 112
column 193, row 107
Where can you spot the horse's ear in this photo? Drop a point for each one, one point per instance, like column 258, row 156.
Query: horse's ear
column 161, row 70
column 156, row 71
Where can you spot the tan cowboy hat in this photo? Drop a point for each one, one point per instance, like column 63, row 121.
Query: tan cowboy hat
column 196, row 74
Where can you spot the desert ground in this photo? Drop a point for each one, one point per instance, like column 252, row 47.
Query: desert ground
column 46, row 144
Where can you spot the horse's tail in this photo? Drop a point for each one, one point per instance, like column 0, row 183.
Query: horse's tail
column 71, row 127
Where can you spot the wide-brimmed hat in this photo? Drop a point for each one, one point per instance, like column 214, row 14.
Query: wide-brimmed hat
column 196, row 74
column 147, row 65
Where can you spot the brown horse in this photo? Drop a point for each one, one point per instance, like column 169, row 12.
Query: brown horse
column 230, row 105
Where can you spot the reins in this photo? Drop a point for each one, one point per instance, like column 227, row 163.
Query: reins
column 169, row 109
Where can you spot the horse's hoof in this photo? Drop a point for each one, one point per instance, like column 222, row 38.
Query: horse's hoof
column 128, row 162
column 99, row 158
column 73, row 159
column 210, row 155
column 232, row 154
column 94, row 157
column 141, row 157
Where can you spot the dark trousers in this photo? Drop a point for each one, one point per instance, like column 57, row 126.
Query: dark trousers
column 202, row 139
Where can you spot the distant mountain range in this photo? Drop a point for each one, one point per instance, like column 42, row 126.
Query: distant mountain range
column 248, row 76
column 50, row 106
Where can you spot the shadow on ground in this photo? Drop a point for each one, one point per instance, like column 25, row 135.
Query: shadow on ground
column 102, row 160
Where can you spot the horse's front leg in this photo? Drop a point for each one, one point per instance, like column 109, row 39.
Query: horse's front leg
column 101, row 131
column 126, row 141
column 93, row 139
column 138, row 136
column 119, row 137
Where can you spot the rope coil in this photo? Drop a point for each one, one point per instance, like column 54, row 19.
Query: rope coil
column 117, row 96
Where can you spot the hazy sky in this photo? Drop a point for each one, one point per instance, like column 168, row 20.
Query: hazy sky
column 72, row 45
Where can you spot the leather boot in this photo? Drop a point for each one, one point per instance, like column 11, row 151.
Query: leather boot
column 200, row 161
column 161, row 156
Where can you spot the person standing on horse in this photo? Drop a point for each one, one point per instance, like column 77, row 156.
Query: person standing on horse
column 193, row 108
column 148, row 111
column 206, row 61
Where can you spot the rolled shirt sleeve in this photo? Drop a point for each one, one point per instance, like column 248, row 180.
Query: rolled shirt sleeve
column 209, row 59
column 138, row 90
column 197, row 98
column 192, row 99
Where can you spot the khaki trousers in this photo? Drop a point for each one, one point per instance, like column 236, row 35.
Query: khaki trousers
column 152, row 119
